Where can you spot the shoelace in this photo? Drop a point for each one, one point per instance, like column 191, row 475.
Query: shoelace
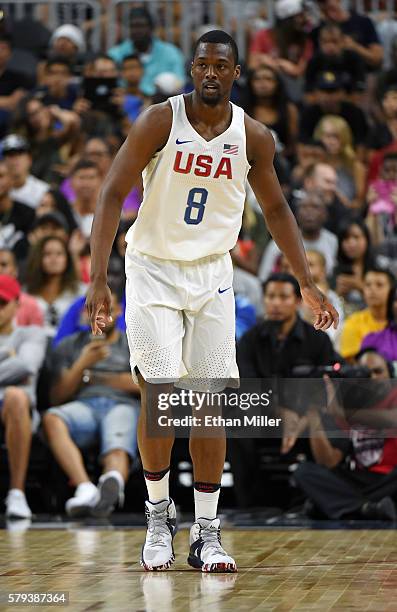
column 212, row 539
column 157, row 527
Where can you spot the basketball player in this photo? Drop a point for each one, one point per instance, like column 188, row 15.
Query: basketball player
column 196, row 152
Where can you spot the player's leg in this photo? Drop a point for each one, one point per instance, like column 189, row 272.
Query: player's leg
column 155, row 331
column 209, row 354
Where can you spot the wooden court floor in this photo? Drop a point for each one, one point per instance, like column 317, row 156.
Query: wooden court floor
column 279, row 570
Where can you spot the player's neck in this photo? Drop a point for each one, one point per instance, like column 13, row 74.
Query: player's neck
column 209, row 114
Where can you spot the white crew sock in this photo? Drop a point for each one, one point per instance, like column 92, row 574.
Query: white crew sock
column 205, row 504
column 158, row 489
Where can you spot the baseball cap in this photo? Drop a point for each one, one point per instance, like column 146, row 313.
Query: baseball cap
column 10, row 289
column 288, row 8
column 328, row 80
column 14, row 142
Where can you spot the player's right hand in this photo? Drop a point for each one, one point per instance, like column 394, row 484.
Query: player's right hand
column 98, row 305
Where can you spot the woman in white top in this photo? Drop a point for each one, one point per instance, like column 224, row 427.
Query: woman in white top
column 52, row 279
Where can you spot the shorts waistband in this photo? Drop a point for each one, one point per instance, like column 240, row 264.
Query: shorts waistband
column 180, row 262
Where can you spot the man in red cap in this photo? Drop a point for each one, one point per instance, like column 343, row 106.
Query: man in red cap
column 22, row 351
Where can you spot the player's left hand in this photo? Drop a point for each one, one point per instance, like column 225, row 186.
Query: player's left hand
column 325, row 313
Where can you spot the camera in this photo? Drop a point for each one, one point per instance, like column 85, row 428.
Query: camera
column 338, row 370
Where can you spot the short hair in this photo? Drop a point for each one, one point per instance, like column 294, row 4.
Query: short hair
column 84, row 164
column 330, row 27
column 103, row 56
column 218, row 37
column 131, row 56
column 283, row 277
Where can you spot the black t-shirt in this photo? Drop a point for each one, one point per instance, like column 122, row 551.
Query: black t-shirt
column 14, row 227
column 354, row 116
column 359, row 27
column 349, row 67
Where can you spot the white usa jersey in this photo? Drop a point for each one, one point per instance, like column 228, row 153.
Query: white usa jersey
column 194, row 191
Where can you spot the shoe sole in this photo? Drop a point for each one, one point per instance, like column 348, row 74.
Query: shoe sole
column 158, row 568
column 109, row 496
column 212, row 568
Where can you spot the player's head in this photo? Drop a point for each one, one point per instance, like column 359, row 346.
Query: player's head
column 215, row 66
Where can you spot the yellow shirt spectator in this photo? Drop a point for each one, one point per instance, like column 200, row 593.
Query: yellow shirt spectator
column 356, row 327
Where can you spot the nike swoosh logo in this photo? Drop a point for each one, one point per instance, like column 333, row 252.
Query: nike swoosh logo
column 178, row 142
column 223, row 290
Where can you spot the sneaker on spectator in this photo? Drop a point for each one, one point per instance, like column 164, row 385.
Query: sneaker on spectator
column 111, row 491
column 85, row 498
column 16, row 505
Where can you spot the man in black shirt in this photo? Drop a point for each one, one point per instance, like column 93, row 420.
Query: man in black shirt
column 272, row 349
column 330, row 94
column 281, row 342
column 359, row 32
column 16, row 219
column 333, row 57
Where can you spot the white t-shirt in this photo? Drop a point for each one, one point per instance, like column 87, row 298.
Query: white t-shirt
column 31, row 192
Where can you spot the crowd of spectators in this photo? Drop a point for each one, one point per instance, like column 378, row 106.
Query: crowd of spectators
column 326, row 86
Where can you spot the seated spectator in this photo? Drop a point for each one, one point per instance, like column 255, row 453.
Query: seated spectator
column 16, row 218
column 248, row 285
column 130, row 98
column 68, row 42
column 267, row 102
column 337, row 138
column 85, row 180
column 330, row 100
column 385, row 341
column 333, row 56
column 367, row 488
column 322, row 178
column 316, row 261
column 274, row 346
column 22, row 351
column 54, row 201
column 382, row 200
column 156, row 55
column 311, row 216
column 58, row 88
column 287, row 47
column 26, row 188
column 52, row 279
column 359, row 32
column 13, row 85
column 354, row 260
column 377, row 285
column 52, row 133
column 94, row 397
column 308, row 153
column 28, row 311
column 384, row 130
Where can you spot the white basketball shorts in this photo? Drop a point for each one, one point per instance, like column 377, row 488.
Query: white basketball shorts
column 180, row 320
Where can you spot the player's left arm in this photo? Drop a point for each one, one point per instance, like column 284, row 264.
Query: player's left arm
column 280, row 220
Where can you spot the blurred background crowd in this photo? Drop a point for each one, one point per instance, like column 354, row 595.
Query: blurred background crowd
column 322, row 77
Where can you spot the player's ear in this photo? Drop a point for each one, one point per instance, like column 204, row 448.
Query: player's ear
column 191, row 69
column 237, row 72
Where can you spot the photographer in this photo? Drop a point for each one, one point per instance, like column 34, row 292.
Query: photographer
column 365, row 488
column 94, row 397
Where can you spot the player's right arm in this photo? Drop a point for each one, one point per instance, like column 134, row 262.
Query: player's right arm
column 148, row 135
